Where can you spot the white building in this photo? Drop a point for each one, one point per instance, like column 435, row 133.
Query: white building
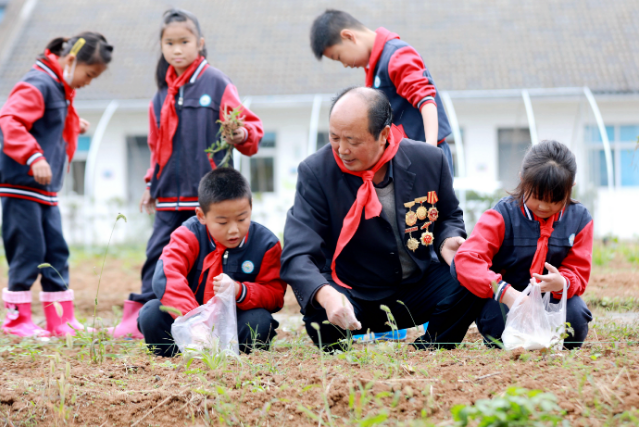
column 510, row 76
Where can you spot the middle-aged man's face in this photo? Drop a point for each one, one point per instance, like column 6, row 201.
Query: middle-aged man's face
column 349, row 134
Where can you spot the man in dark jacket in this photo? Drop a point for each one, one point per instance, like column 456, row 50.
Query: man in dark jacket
column 343, row 265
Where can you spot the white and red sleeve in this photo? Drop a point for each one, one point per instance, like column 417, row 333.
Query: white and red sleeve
column 177, row 259
column 268, row 290
column 152, row 141
column 474, row 258
column 24, row 106
column 408, row 74
column 253, row 125
column 576, row 267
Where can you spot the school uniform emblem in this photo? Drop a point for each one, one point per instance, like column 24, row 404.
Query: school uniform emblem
column 205, row 100
column 376, row 82
column 247, row 267
column 571, row 239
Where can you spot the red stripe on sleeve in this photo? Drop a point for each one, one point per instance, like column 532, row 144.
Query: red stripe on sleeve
column 24, row 106
column 576, row 267
column 253, row 125
column 475, row 257
column 268, row 290
column 178, row 258
column 407, row 72
column 152, row 140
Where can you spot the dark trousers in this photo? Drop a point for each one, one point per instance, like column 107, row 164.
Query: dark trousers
column 164, row 224
column 491, row 321
column 256, row 329
column 439, row 299
column 32, row 235
column 447, row 154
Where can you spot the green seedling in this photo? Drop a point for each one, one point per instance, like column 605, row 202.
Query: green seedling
column 231, row 121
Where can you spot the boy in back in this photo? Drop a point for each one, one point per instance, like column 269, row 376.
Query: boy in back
column 392, row 66
column 217, row 248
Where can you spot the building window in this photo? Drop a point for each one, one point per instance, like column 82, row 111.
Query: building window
column 262, row 165
column 138, row 161
column 74, row 180
column 624, row 155
column 512, row 145
column 322, row 140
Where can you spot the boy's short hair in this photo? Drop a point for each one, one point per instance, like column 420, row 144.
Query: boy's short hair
column 325, row 30
column 222, row 184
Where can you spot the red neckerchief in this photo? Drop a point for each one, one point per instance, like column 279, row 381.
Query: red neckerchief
column 72, row 122
column 213, row 263
column 382, row 37
column 168, row 114
column 542, row 249
column 366, row 198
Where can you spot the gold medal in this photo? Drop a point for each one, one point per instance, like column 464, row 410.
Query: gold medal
column 412, row 243
column 426, row 238
column 433, row 214
column 421, row 211
column 432, row 198
column 410, row 217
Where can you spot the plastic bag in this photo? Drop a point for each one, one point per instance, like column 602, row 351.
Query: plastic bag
column 210, row 327
column 534, row 322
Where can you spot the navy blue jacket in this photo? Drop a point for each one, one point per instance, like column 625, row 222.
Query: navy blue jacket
column 180, row 282
column 369, row 263
column 200, row 103
column 503, row 244
column 31, row 125
column 399, row 71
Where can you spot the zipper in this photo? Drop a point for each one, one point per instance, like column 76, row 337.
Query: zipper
column 180, row 102
column 225, row 258
column 181, row 97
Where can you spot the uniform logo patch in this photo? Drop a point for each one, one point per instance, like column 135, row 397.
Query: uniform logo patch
column 376, row 82
column 205, row 100
column 247, row 267
column 571, row 239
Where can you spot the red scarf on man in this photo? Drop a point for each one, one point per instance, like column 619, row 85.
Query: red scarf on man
column 72, row 122
column 168, row 114
column 366, row 198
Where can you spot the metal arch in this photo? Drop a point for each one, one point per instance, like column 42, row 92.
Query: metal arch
column 457, row 135
column 603, row 135
column 96, row 141
column 531, row 119
column 312, row 142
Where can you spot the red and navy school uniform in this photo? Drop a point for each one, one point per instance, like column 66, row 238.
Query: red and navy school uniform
column 502, row 249
column 32, row 122
column 199, row 104
column 184, row 275
column 398, row 70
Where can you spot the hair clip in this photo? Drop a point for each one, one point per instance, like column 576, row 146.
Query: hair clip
column 77, row 46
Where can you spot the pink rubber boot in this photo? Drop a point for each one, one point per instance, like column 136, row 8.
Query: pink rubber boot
column 18, row 321
column 129, row 324
column 61, row 326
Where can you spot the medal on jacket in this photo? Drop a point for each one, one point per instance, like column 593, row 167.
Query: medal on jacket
column 432, row 198
column 427, row 237
column 412, row 243
column 410, row 217
column 421, row 211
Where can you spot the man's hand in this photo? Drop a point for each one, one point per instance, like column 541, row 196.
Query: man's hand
column 450, row 247
column 84, row 126
column 41, row 172
column 239, row 135
column 222, row 283
column 339, row 310
column 552, row 282
column 147, row 202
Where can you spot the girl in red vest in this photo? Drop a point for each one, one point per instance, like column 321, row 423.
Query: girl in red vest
column 40, row 128
column 192, row 96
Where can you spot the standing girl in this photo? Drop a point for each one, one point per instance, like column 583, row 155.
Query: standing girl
column 538, row 232
column 40, row 129
column 192, row 96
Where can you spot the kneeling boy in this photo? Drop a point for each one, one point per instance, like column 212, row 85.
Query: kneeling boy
column 219, row 247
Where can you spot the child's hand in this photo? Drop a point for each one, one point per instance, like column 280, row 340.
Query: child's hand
column 147, row 202
column 222, row 282
column 84, row 126
column 239, row 136
column 41, row 172
column 552, row 282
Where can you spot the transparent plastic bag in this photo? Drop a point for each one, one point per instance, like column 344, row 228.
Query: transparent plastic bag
column 212, row 327
column 535, row 323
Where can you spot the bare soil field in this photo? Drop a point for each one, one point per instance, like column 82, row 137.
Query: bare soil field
column 95, row 381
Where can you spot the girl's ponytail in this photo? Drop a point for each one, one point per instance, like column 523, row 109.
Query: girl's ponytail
column 57, row 45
